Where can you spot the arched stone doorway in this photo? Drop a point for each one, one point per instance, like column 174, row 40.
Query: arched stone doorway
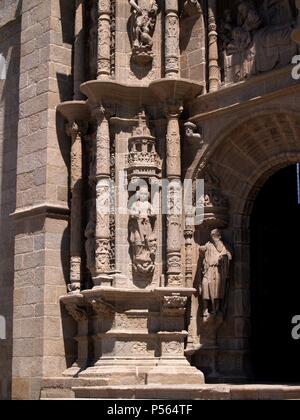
column 275, row 275
column 243, row 161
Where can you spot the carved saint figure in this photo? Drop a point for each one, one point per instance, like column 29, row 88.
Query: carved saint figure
column 217, row 259
column 142, row 233
column 144, row 19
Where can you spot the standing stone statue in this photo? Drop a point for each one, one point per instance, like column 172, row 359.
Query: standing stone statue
column 143, row 239
column 217, row 259
column 144, row 14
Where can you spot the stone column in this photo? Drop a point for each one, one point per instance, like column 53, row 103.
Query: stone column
column 104, row 39
column 102, row 237
column 213, row 53
column 171, row 39
column 174, row 218
column 75, row 132
column 79, row 58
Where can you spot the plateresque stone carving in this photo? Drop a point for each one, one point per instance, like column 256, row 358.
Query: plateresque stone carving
column 144, row 14
column 217, row 258
column 257, row 39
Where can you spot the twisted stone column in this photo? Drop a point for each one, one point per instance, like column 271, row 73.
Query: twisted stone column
column 171, row 39
column 75, row 131
column 102, row 237
column 174, row 218
column 213, row 53
column 79, row 58
column 104, row 39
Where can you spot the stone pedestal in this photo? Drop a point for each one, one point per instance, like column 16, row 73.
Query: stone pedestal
column 137, row 337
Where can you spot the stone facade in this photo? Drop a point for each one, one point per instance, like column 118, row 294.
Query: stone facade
column 102, row 102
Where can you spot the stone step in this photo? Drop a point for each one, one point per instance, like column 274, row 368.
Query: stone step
column 203, row 392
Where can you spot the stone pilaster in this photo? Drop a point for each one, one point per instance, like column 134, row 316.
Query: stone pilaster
column 171, row 39
column 213, row 54
column 104, row 39
column 78, row 50
column 102, row 237
column 75, row 132
column 174, row 218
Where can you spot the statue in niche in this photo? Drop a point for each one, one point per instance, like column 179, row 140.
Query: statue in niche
column 257, row 39
column 144, row 14
column 143, row 238
column 217, row 258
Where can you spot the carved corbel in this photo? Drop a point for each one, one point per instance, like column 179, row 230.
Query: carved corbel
column 78, row 313
column 101, row 307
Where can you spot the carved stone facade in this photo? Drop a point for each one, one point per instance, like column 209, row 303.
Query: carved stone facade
column 120, row 280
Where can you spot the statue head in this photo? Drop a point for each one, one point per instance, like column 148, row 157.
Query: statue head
column 216, row 235
column 143, row 194
column 190, row 128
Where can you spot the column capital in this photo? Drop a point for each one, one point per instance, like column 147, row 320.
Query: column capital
column 104, row 7
column 101, row 112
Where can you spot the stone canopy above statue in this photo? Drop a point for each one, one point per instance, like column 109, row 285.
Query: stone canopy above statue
column 256, row 37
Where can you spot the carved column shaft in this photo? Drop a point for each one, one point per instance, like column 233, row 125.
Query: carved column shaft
column 171, row 39
column 102, row 237
column 76, row 206
column 188, row 235
column 79, row 58
column 104, row 39
column 174, row 234
column 213, row 53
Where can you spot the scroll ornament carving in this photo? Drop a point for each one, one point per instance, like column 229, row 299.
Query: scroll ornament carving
column 257, row 39
column 172, row 347
column 102, row 255
column 143, row 21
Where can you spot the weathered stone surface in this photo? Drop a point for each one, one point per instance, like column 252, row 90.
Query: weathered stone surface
column 92, row 92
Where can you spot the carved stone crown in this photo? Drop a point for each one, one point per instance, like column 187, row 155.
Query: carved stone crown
column 143, row 160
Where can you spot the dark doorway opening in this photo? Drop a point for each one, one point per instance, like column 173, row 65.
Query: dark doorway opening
column 275, row 279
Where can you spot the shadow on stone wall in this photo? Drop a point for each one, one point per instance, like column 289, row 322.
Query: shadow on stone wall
column 10, row 39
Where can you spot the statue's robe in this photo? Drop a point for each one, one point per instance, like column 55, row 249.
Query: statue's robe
column 216, row 270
